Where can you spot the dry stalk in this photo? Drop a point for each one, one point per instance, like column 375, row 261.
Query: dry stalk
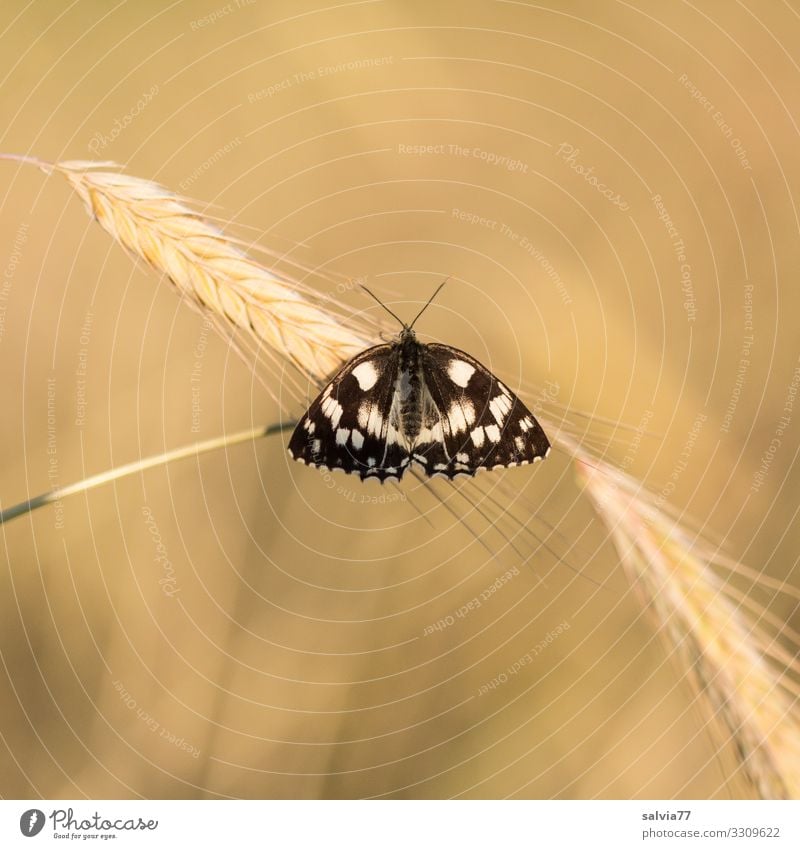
column 210, row 268
column 746, row 679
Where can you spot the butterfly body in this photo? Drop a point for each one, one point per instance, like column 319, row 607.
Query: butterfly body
column 407, row 403
column 409, row 387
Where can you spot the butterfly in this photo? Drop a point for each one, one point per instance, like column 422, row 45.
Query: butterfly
column 409, row 403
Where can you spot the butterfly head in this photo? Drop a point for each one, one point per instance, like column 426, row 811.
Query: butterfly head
column 408, row 344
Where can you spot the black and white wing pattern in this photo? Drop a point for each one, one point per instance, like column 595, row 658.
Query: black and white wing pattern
column 430, row 405
column 470, row 420
column 353, row 424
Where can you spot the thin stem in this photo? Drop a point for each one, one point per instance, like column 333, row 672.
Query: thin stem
column 193, row 450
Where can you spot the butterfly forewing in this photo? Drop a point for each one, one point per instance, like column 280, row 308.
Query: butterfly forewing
column 481, row 423
column 352, row 425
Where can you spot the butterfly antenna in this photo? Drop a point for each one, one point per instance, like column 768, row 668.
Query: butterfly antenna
column 375, row 297
column 430, row 301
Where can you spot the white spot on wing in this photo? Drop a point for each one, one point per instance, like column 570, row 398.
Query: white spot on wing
column 393, row 435
column 462, row 458
column 333, row 410
column 469, row 411
column 342, row 435
column 460, row 372
column 432, row 434
column 478, row 435
column 375, row 421
column 500, row 406
column 456, row 417
column 357, row 439
column 493, row 432
column 366, row 374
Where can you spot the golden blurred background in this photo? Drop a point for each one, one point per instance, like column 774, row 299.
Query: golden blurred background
column 612, row 191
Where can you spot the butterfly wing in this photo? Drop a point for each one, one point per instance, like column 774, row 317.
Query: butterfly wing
column 353, row 424
column 470, row 420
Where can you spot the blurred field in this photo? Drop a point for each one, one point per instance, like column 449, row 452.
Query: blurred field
column 612, row 191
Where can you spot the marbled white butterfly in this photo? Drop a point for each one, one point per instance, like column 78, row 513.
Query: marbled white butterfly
column 407, row 402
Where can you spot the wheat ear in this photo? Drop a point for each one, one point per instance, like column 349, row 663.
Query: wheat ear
column 210, row 268
column 744, row 677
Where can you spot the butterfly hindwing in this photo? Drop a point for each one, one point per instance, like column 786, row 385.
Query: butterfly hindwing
column 353, row 424
column 471, row 420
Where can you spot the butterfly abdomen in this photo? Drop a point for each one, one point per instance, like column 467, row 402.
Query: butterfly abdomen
column 409, row 381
